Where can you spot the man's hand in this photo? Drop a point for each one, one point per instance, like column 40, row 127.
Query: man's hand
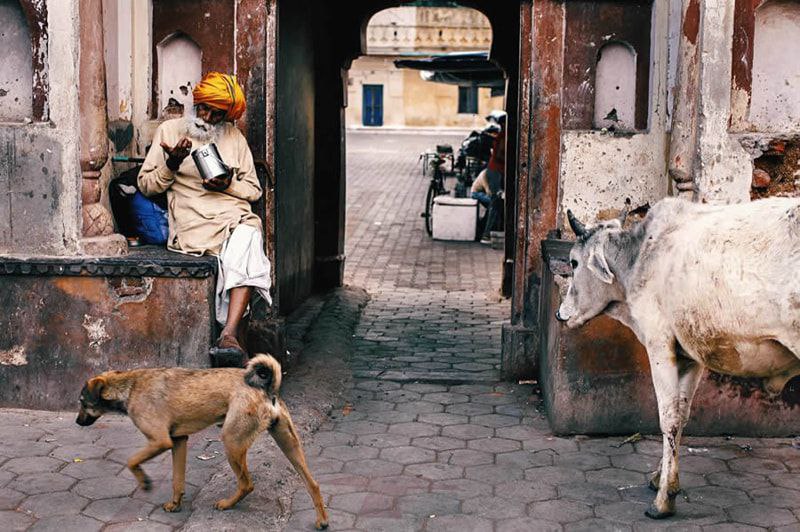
column 217, row 184
column 177, row 154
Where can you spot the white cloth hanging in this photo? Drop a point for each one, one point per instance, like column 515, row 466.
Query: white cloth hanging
column 242, row 262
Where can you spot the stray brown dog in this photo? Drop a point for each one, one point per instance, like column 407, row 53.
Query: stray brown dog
column 168, row 404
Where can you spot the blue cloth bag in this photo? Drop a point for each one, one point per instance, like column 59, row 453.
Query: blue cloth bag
column 149, row 219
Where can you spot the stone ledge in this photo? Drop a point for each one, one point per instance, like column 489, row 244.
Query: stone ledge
column 147, row 261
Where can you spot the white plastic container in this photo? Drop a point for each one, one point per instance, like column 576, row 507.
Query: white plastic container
column 454, row 218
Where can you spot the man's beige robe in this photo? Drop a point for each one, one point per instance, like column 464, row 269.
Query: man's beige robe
column 201, row 220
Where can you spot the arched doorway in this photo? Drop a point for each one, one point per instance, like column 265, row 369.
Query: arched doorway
column 308, row 154
column 309, row 45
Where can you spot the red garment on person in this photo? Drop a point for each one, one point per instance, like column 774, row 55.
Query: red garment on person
column 497, row 161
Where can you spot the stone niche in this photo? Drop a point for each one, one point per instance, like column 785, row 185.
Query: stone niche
column 190, row 38
column 607, row 52
column 775, row 99
column 16, row 68
column 180, row 61
column 615, row 87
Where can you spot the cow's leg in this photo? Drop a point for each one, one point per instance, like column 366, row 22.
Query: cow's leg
column 664, row 370
column 689, row 376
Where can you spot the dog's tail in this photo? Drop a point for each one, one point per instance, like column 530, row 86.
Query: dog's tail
column 264, row 372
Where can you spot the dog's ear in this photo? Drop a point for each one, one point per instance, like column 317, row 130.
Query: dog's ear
column 94, row 388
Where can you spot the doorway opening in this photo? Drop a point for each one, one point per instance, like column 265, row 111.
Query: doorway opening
column 343, row 111
column 404, row 115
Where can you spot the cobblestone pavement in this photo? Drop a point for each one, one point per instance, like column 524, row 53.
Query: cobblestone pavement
column 55, row 475
column 430, row 440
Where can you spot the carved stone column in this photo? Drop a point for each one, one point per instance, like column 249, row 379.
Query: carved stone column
column 98, row 224
column 683, row 142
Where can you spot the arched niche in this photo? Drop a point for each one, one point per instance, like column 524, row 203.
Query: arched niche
column 180, row 68
column 615, row 87
column 775, row 101
column 16, row 68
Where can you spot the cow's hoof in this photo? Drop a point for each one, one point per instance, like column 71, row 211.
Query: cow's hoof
column 654, row 513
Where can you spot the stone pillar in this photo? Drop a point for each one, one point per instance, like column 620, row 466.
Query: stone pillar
column 724, row 169
column 705, row 163
column 98, row 224
column 683, row 142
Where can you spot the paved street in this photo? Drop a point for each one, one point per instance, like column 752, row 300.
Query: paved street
column 428, row 438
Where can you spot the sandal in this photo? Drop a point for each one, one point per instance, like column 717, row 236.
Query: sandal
column 228, row 353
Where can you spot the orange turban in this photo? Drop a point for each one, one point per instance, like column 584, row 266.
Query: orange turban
column 221, row 91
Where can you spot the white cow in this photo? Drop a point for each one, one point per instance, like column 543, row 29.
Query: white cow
column 702, row 287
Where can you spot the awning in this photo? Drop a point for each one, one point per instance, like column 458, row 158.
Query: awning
column 472, row 69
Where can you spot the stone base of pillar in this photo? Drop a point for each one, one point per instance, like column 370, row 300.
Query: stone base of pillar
column 104, row 246
column 520, row 351
column 97, row 220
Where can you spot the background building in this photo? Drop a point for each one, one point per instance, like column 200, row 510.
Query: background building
column 379, row 94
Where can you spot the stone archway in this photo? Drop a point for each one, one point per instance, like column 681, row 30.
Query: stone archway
column 309, row 246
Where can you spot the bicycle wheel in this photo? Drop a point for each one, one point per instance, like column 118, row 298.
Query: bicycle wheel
column 428, row 215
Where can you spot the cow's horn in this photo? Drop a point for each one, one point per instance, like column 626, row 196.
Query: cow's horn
column 624, row 215
column 577, row 227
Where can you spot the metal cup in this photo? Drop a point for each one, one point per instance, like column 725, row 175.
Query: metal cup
column 209, row 162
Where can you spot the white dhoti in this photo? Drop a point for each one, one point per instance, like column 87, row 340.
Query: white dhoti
column 242, row 262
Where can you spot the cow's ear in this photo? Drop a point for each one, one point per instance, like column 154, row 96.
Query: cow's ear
column 598, row 264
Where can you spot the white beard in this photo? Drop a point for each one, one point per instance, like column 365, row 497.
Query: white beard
column 200, row 130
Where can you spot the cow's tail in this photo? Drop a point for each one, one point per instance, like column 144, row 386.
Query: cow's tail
column 264, row 373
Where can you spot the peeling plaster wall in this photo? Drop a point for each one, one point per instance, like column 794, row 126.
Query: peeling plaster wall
column 39, row 171
column 16, row 69
column 724, row 169
column 599, row 170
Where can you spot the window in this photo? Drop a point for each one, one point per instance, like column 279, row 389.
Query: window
column 468, row 100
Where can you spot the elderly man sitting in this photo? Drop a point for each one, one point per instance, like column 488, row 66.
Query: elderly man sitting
column 213, row 216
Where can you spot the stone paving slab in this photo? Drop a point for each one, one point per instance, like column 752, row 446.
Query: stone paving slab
column 519, row 475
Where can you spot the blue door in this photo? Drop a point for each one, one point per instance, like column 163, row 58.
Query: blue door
column 372, row 109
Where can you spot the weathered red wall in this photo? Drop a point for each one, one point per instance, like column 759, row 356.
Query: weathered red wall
column 67, row 329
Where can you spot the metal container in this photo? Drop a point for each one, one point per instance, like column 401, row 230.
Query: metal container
column 209, row 162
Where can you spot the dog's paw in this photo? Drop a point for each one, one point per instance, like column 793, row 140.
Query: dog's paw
column 171, row 506
column 321, row 525
column 146, row 484
column 223, row 504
